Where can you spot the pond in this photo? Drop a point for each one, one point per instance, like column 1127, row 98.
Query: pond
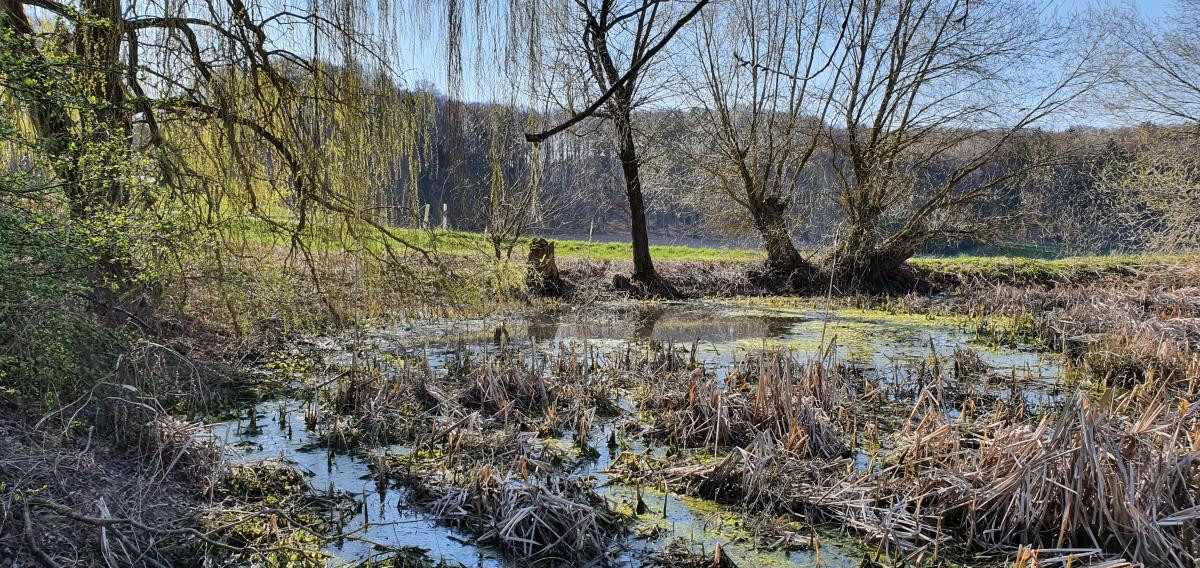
column 714, row 337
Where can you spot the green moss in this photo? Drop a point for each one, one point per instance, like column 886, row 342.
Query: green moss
column 265, row 480
column 271, row 540
column 704, row 524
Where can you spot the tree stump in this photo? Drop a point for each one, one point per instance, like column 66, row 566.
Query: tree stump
column 542, row 277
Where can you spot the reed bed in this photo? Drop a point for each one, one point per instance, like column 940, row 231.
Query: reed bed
column 945, row 464
column 1117, row 329
column 510, row 490
column 370, row 405
column 773, row 395
column 1088, row 478
column 553, row 519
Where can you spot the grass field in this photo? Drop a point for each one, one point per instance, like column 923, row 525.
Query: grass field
column 469, row 243
column 1021, row 262
column 1040, row 269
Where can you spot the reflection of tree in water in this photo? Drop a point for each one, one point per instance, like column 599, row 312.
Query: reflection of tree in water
column 543, row 326
column 500, row 336
column 776, row 326
column 644, row 325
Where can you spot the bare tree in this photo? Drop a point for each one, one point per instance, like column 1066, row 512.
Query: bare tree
column 1155, row 69
column 1155, row 64
column 763, row 92
column 516, row 202
column 618, row 40
column 929, row 93
column 1157, row 190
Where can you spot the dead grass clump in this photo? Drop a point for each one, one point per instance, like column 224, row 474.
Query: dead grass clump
column 552, row 518
column 372, row 407
column 71, row 502
column 762, row 478
column 968, row 362
column 1088, row 479
column 184, row 448
column 564, row 390
column 455, row 450
column 509, row 489
column 506, row 386
column 787, row 402
column 1114, row 361
column 1151, row 323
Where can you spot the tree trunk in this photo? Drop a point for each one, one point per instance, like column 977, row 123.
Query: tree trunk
column 851, row 262
column 107, row 127
column 643, row 266
column 770, row 218
column 858, row 263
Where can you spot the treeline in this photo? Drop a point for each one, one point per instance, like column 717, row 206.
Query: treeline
column 845, row 137
column 869, row 132
column 1080, row 202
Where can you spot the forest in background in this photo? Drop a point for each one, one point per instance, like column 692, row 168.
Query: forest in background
column 1095, row 199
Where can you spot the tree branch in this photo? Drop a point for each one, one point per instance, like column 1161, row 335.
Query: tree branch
column 542, row 136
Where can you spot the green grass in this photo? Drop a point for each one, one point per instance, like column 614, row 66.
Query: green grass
column 1026, row 262
column 1039, row 269
column 624, row 251
column 467, row 243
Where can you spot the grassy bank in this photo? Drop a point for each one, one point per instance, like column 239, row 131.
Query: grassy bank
column 466, row 243
column 1026, row 264
column 1026, row 270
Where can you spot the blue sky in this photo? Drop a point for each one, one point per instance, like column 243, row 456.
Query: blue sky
column 425, row 53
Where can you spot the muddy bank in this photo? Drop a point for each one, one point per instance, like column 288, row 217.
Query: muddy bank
column 594, row 280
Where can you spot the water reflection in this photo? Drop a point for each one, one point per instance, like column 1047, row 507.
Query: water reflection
column 895, row 349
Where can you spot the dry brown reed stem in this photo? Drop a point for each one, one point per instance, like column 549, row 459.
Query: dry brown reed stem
column 530, row 518
column 1120, row 328
column 94, row 479
column 774, row 395
column 372, row 405
column 183, row 448
column 505, row 489
column 1119, row 476
column 1086, row 479
column 508, row 385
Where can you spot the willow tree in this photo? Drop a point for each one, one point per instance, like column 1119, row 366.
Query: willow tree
column 246, row 109
column 762, row 93
column 616, row 42
column 929, row 94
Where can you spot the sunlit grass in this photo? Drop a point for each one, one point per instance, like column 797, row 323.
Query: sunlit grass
column 469, row 243
column 1022, row 262
column 1044, row 269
